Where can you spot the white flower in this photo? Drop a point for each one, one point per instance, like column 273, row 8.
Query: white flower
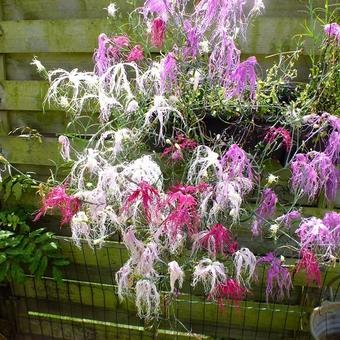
column 274, row 228
column 204, row 46
column 132, row 106
column 112, row 10
column 272, row 179
column 64, row 102
column 40, row 67
column 176, row 274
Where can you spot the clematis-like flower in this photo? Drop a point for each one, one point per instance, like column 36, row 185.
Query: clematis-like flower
column 58, row 198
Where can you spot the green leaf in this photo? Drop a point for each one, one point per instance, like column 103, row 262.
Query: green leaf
column 17, row 273
column 57, row 275
column 37, row 232
column 3, row 270
column 3, row 258
column 49, row 246
column 43, row 238
column 4, row 234
column 8, row 190
column 35, row 262
column 42, row 267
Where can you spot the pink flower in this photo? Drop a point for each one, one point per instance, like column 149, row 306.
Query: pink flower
column 333, row 30
column 274, row 133
column 136, row 54
column 193, row 36
column 266, row 210
column 65, row 147
column 279, row 281
column 100, row 56
column 176, row 150
column 58, row 198
column 310, row 264
column 289, row 218
column 183, row 210
column 228, row 291
column 244, row 74
column 149, row 197
column 121, row 41
column 217, row 239
column 168, row 73
column 158, row 29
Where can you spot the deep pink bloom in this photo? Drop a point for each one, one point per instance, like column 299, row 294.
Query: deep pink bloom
column 183, row 210
column 237, row 163
column 158, row 29
column 310, row 264
column 279, row 281
column 274, row 133
column 228, row 291
column 266, row 210
column 243, row 75
column 58, row 198
column 176, row 150
column 136, row 54
column 217, row 239
column 121, row 41
column 148, row 195
column 333, row 30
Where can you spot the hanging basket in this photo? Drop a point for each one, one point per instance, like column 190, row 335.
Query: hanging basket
column 325, row 319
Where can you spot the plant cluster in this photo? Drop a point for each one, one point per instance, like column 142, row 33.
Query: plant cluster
column 176, row 191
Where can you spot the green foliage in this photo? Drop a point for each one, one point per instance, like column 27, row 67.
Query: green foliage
column 15, row 186
column 23, row 250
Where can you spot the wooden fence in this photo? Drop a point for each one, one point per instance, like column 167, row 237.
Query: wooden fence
column 63, row 33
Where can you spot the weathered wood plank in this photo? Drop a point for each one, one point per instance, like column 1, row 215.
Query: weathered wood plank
column 267, row 35
column 52, row 9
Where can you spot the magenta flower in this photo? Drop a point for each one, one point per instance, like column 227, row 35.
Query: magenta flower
column 310, row 264
column 229, row 291
column 160, row 7
column 333, row 30
column 279, row 280
column 266, row 210
column 193, row 37
column 158, row 29
column 314, row 172
column 217, row 239
column 237, row 163
column 148, row 196
column 121, row 41
column 333, row 147
column 168, row 73
column 176, row 150
column 58, row 198
column 288, row 219
column 243, row 75
column 274, row 133
column 100, row 56
column 183, row 210
column 136, row 54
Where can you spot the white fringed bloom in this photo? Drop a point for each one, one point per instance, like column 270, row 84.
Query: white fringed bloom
column 65, row 147
column 245, row 263
column 80, row 228
column 40, row 67
column 209, row 273
column 147, row 299
column 123, row 279
column 204, row 159
column 176, row 275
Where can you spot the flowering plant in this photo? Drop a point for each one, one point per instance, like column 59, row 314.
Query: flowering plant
column 121, row 184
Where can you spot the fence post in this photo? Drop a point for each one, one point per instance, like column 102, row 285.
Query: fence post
column 4, row 121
